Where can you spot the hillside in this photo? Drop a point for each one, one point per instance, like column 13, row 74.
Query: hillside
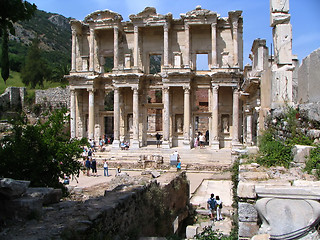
column 54, row 33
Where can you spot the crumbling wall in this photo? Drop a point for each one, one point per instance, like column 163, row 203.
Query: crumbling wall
column 12, row 98
column 54, row 97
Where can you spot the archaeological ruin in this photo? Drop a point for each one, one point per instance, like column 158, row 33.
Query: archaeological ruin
column 150, row 65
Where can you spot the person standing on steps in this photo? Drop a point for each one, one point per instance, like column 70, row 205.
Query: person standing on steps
column 94, row 167
column 211, row 204
column 158, row 137
column 105, row 168
column 219, row 208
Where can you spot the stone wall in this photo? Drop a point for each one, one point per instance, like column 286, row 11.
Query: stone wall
column 54, row 97
column 12, row 98
column 157, row 208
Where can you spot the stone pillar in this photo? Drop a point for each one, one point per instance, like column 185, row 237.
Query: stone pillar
column 166, row 118
column 215, row 118
column 91, row 49
column 235, row 118
column 116, row 119
column 214, row 44
column 249, row 128
column 187, row 44
column 235, row 42
column 135, row 142
column 91, row 113
column 74, row 47
column 72, row 113
column 186, row 118
column 166, row 45
column 116, row 47
column 136, row 47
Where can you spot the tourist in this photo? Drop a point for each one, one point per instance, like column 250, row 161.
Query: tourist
column 91, row 142
column 105, row 168
column 90, row 154
column 202, row 139
column 94, row 167
column 118, row 171
column 122, row 145
column 218, row 208
column 101, row 142
column 158, row 137
column 211, row 204
column 176, row 156
column 196, row 142
column 88, row 166
column 126, row 145
column 178, row 166
column 207, row 136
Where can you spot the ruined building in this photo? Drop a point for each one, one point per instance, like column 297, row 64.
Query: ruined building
column 150, row 67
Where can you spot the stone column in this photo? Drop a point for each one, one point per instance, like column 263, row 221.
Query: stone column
column 116, row 47
column 74, row 47
column 116, row 119
column 215, row 118
column 166, row 45
column 136, row 47
column 166, row 118
column 91, row 49
column 135, row 142
column 72, row 113
column 235, row 118
column 249, row 128
column 91, row 113
column 235, row 42
column 186, row 118
column 187, row 44
column 214, row 44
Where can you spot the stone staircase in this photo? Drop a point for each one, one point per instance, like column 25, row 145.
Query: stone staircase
column 191, row 159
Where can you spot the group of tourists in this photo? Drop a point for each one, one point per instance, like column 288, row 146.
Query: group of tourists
column 214, row 204
column 105, row 140
column 200, row 139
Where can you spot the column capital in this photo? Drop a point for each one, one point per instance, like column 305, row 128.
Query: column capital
column 186, row 89
column 215, row 88
column 135, row 28
column 165, row 89
column 166, row 26
column 135, row 88
column 91, row 89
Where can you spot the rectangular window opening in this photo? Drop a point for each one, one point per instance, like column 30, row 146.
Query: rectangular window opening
column 108, row 66
column 202, row 62
column 155, row 64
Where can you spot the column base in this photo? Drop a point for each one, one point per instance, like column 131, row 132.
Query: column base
column 215, row 145
column 165, row 145
column 186, row 144
column 116, row 144
column 236, row 145
column 135, row 144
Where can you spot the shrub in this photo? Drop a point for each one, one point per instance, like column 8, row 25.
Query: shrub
column 314, row 161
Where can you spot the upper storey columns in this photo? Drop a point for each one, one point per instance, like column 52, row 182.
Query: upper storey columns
column 187, row 44
column 116, row 47
column 136, row 46
column 166, row 45
column 234, row 17
column 91, row 49
column 74, row 46
column 214, row 43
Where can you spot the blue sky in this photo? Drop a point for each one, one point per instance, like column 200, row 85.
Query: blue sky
column 305, row 17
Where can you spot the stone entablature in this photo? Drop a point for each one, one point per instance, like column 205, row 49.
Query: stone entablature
column 103, row 38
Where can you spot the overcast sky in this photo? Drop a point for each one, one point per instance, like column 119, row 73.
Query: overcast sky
column 305, row 16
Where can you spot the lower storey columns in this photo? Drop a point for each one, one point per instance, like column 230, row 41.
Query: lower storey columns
column 235, row 119
column 166, row 118
column 186, row 120
column 135, row 141
column 116, row 124
column 72, row 113
column 215, row 118
column 91, row 113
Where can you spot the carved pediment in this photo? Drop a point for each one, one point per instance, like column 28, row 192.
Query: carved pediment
column 149, row 13
column 199, row 12
column 103, row 15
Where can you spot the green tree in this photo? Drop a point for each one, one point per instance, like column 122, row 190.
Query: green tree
column 11, row 11
column 41, row 153
column 35, row 69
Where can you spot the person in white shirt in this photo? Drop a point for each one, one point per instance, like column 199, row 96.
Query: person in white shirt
column 218, row 207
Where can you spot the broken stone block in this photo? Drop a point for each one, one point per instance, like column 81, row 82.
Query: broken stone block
column 300, row 153
column 155, row 174
column 261, row 237
column 282, row 38
column 246, row 190
column 191, row 231
column 247, row 212
column 248, row 229
column 11, row 188
column 279, row 6
column 47, row 195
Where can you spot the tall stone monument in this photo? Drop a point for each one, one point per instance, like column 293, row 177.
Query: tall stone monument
column 281, row 87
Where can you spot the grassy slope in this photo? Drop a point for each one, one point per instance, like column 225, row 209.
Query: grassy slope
column 15, row 81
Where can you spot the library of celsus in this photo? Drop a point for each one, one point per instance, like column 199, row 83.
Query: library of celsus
column 156, row 74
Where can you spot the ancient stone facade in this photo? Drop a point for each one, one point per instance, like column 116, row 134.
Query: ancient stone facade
column 110, row 56
column 54, row 97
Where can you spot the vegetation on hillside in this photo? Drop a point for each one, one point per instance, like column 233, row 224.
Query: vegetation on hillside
column 42, row 153
column 11, row 11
